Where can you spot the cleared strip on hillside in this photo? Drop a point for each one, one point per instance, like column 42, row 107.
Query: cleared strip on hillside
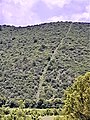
column 52, row 57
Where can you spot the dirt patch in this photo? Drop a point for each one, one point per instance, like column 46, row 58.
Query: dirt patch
column 47, row 118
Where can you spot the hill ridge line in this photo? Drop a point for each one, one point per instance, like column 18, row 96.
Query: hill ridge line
column 52, row 57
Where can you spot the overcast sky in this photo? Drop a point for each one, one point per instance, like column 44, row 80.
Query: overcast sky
column 28, row 12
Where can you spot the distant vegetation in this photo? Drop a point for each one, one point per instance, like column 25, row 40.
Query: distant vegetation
column 26, row 51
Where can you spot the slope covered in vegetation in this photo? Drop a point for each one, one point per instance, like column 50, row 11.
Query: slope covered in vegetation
column 39, row 62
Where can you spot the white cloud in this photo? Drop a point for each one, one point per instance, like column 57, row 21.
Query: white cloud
column 19, row 12
column 26, row 3
column 75, row 17
column 88, row 8
column 85, row 17
column 57, row 18
column 59, row 3
column 79, row 17
column 81, row 0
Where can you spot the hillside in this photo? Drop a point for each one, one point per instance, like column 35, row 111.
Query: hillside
column 41, row 61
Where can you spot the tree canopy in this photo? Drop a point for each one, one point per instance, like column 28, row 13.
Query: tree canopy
column 77, row 99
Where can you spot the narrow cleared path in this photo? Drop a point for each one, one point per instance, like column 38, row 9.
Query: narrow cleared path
column 47, row 118
column 52, row 57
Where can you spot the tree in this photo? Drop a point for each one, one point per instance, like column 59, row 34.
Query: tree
column 77, row 99
column 21, row 104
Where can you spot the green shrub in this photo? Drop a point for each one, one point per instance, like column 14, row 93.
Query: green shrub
column 77, row 99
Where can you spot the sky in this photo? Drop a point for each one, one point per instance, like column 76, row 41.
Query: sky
column 30, row 12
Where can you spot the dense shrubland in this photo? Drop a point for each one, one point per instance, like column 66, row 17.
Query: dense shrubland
column 24, row 53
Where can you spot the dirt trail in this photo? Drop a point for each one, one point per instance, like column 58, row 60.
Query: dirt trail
column 47, row 118
column 62, row 44
column 52, row 57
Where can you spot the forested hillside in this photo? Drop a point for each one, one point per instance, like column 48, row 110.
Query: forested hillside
column 41, row 61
